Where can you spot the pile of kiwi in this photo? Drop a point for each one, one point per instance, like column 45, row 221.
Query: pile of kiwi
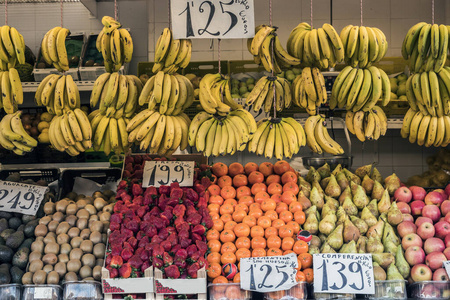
column 71, row 239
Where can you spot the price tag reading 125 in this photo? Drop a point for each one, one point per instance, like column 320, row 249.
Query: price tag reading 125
column 269, row 273
column 209, row 19
column 157, row 173
column 20, row 197
column 343, row 273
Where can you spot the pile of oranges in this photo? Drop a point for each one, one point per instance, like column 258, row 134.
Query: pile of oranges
column 255, row 213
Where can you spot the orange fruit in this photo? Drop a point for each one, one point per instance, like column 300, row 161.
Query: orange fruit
column 226, row 209
column 237, row 278
column 276, row 198
column 214, row 245
column 300, row 217
column 266, row 168
column 228, row 258
column 254, row 206
column 274, row 252
column 289, row 176
column 268, row 204
column 224, row 181
column 228, row 192
column 249, row 220
column 291, row 186
column 276, row 295
column 227, row 235
column 230, row 201
column 241, row 206
column 214, row 270
column 270, row 231
column 278, row 223
column 288, row 197
column 256, row 231
column 258, row 187
column 264, row 222
column 216, row 199
column 214, row 189
column 255, row 177
column 243, row 253
column 286, row 216
column 261, row 196
column 285, row 252
column 218, row 225
column 258, row 242
column 220, row 279
column 250, row 167
column 281, row 206
column 294, row 225
column 241, row 230
column 228, row 247
column 295, row 206
column 239, row 215
column 235, row 169
column 243, row 242
column 287, row 243
column 309, row 274
column 256, row 213
column 247, row 200
column 213, row 257
column 273, row 241
column 219, row 169
column 275, row 188
column 214, row 216
column 229, row 225
column 258, row 252
column 233, row 292
column 214, row 208
column 226, row 218
column 285, row 231
column 274, row 178
column 212, row 234
column 281, row 167
column 306, row 260
column 240, row 180
column 242, row 191
column 300, row 276
column 271, row 214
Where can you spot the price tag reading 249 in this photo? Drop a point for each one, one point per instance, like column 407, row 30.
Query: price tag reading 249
column 343, row 273
column 269, row 273
column 212, row 19
column 20, row 197
column 157, row 173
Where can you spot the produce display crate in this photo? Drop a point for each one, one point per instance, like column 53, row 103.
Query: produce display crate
column 297, row 292
column 87, row 290
column 180, row 286
column 11, row 291
column 43, row 291
column 392, row 65
column 327, row 296
column 49, row 175
column 437, row 290
column 202, row 68
column 389, row 289
column 221, row 291
column 145, row 67
column 243, row 66
column 142, row 285
column 8, row 157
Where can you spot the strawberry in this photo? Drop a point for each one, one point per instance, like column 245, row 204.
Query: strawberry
column 183, row 234
column 168, row 259
column 171, row 230
column 159, row 223
column 180, row 263
column 118, row 206
column 202, row 246
column 176, row 193
column 133, row 242
column 172, row 202
column 199, row 188
column 108, row 259
column 144, row 255
column 152, row 191
column 143, row 242
column 128, row 214
column 116, row 217
column 145, row 265
column 199, row 229
column 126, row 174
column 208, row 222
column 149, row 199
column 166, row 245
column 157, row 262
column 156, row 239
column 137, row 190
column 196, row 256
column 196, row 237
column 191, row 249
column 163, row 233
column 151, row 231
column 132, row 225
column 126, row 254
column 139, row 200
column 191, row 210
column 129, row 160
column 125, row 270
column 164, row 190
column 191, row 195
column 127, row 233
column 206, row 182
column 155, row 211
column 122, row 185
column 172, row 271
column 158, row 251
column 192, row 270
column 140, row 235
column 113, row 273
column 175, row 248
column 202, row 262
column 172, row 239
column 116, row 261
column 116, row 249
column 139, row 251
column 181, row 225
column 113, row 226
column 179, row 210
column 138, row 159
column 126, row 198
column 182, row 253
column 135, row 261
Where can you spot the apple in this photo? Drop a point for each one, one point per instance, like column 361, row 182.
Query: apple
column 430, row 291
column 404, row 207
column 418, row 193
column 415, row 255
column 411, row 240
column 433, row 244
column 447, row 241
column 432, row 212
column 406, row 227
column 447, row 217
column 447, row 189
column 445, row 207
column 421, row 220
column 421, row 272
column 426, row 230
column 435, row 198
column 440, row 275
column 442, row 229
column 447, row 253
column 442, row 192
column 416, row 207
column 435, row 260
column 403, row 194
column 408, row 218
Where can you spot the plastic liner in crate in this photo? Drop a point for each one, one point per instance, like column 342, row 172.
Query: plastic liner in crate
column 11, row 291
column 226, row 291
column 436, row 290
column 389, row 289
column 39, row 292
column 327, row 296
column 297, row 292
column 86, row 290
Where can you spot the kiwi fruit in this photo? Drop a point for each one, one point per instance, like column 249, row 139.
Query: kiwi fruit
column 39, row 277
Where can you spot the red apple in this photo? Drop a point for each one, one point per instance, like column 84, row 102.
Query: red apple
column 426, row 230
column 434, row 197
column 416, row 207
column 418, row 193
column 430, row 291
column 432, row 212
column 445, row 207
column 403, row 194
column 440, row 275
column 421, row 272
column 421, row 220
column 415, row 255
column 447, row 217
column 408, row 218
column 447, row 241
column 433, row 245
column 435, row 260
column 404, row 207
column 442, row 192
column 405, row 228
column 411, row 240
column 447, row 189
column 447, row 253
column 442, row 229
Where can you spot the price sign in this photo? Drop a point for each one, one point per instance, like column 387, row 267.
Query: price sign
column 269, row 273
column 157, row 173
column 447, row 267
column 20, row 197
column 42, row 293
column 208, row 19
column 343, row 273
column 258, row 115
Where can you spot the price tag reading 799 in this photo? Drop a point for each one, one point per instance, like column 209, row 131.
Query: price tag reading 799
column 20, row 197
column 157, row 173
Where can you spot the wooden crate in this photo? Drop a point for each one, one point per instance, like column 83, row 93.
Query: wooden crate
column 142, row 285
column 180, row 286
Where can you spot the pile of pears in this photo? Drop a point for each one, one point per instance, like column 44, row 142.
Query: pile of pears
column 352, row 213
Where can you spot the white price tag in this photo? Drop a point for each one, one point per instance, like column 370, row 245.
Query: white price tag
column 157, row 173
column 258, row 115
column 447, row 267
column 269, row 273
column 42, row 293
column 212, row 19
column 20, row 197
column 343, row 273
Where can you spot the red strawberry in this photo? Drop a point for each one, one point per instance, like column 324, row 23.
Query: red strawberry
column 126, row 198
column 181, row 225
column 163, row 233
column 139, row 251
column 172, row 202
column 191, row 249
column 143, row 242
column 116, row 217
column 199, row 188
column 113, row 273
column 133, row 242
column 164, row 190
column 122, row 185
column 125, row 270
column 140, row 235
column 118, row 206
column 167, row 258
column 135, row 261
column 126, row 254
column 179, row 210
column 194, row 219
column 138, row 159
column 139, row 200
column 152, row 191
column 132, row 225
column 108, row 259
column 137, row 190
column 208, row 222
column 192, row 270
column 155, row 211
column 202, row 262
column 196, row 237
column 142, row 211
column 129, row 160
column 116, row 249
column 183, row 234
column 199, row 229
column 182, row 253
column 156, row 239
column 206, row 182
column 127, row 245
column 116, row 261
column 145, row 265
column 172, row 272
column 184, row 243
column 202, row 246
column 180, row 263
column 196, row 256
column 113, row 226
column 166, row 245
column 171, row 230
column 144, row 255
column 172, row 239
column 157, row 262
column 159, row 223
column 176, row 193
column 175, row 248
column 126, row 174
column 151, row 231
column 158, row 251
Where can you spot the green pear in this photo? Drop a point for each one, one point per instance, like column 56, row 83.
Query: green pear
column 311, row 210
column 344, row 249
column 373, row 207
column 327, row 224
column 363, row 171
column 326, row 248
column 305, row 186
column 385, row 202
column 392, row 183
column 316, row 198
column 313, row 250
column 351, row 232
column 376, row 230
column 335, row 239
column 311, row 224
column 351, row 177
column 319, row 188
column 351, row 247
column 401, row 263
column 376, row 175
column 353, row 187
column 332, row 201
column 378, row 272
column 394, row 215
column 324, row 182
column 350, row 207
column 342, row 180
column 360, row 198
column 327, row 209
column 322, row 237
column 347, row 193
column 368, row 183
column 333, row 189
column 389, row 235
column 337, row 170
column 383, row 259
column 374, row 245
column 360, row 224
column 368, row 217
column 390, row 247
column 393, row 273
column 312, row 175
column 324, row 171
column 341, row 215
column 361, row 244
column 303, row 200
column 377, row 190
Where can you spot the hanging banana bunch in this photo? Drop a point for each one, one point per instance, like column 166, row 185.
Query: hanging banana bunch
column 11, row 90
column 12, row 48
column 266, row 89
column 53, row 48
column 309, row 90
column 317, row 137
column 115, row 44
column 13, row 136
column 171, row 54
column 368, row 125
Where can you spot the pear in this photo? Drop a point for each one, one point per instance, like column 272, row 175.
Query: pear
column 393, row 273
column 376, row 230
column 344, row 249
column 377, row 190
column 305, row 186
column 324, row 182
column 351, row 247
column 324, row 171
column 347, row 193
column 385, row 202
column 361, row 244
column 337, row 170
column 327, row 209
column 332, row 201
column 360, row 198
column 312, row 175
column 303, row 200
column 401, row 263
column 374, row 245
column 394, row 215
column 315, row 241
column 328, row 223
column 379, row 273
column 351, row 177
column 350, row 207
column 322, row 237
column 376, row 175
column 342, row 180
column 313, row 250
column 333, row 189
column 353, row 187
column 319, row 188
column 390, row 247
column 368, row 217
column 316, row 198
column 363, row 171
column 311, row 210
column 341, row 215
column 368, row 184
column 351, row 232
column 360, row 224
column 335, row 239
column 389, row 235
column 311, row 224
column 373, row 207
column 383, row 259
column 326, row 248
column 392, row 183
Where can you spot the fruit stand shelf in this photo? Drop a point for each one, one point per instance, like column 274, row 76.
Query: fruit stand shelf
column 87, row 165
column 83, row 86
column 393, row 123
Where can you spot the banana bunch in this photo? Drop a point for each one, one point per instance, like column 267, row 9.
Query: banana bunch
column 13, row 136
column 221, row 135
column 215, row 95
column 269, row 92
column 429, row 92
column 71, row 132
column 317, row 137
column 425, row 129
column 363, row 45
column 158, row 133
column 115, row 44
column 261, row 46
column 173, row 93
column 321, row 48
column 171, row 54
column 59, row 93
column 426, row 47
column 280, row 137
column 117, row 94
column 368, row 125
column 109, row 133
column 53, row 48
column 11, row 90
column 309, row 90
column 360, row 89
column 12, row 48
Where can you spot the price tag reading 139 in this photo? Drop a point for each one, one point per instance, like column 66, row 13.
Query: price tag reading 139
column 20, row 197
column 209, row 19
column 269, row 273
column 343, row 273
column 157, row 173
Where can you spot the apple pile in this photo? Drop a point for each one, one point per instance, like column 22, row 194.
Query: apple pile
column 425, row 231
